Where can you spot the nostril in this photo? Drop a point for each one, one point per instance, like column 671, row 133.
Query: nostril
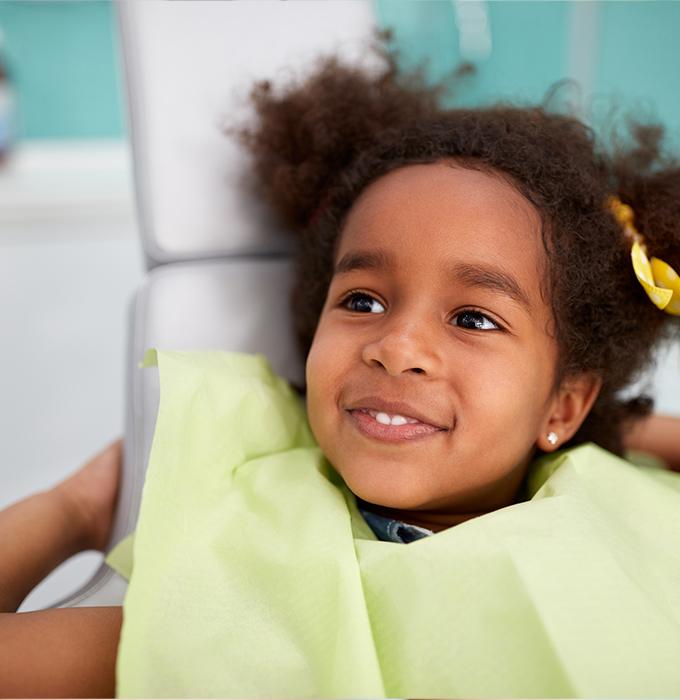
column 417, row 370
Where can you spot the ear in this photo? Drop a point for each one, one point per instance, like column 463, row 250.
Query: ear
column 568, row 409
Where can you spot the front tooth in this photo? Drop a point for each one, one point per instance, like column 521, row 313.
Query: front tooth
column 387, row 419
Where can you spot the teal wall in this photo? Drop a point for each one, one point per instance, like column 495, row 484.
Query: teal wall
column 63, row 61
column 639, row 57
column 631, row 64
column 528, row 51
column 63, row 56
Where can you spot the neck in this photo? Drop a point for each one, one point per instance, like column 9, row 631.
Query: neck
column 437, row 519
column 428, row 519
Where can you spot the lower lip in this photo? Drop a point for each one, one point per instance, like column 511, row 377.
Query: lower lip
column 370, row 427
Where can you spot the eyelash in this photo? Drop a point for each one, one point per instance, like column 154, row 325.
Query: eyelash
column 471, row 310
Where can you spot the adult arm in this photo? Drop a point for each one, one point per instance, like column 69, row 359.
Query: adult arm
column 62, row 652
column 658, row 435
column 43, row 530
column 66, row 652
column 36, row 535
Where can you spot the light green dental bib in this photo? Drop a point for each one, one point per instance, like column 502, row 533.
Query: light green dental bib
column 255, row 575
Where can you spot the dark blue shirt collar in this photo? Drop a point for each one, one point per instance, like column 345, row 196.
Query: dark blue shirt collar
column 390, row 530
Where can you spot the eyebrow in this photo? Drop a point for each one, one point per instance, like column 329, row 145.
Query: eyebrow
column 472, row 275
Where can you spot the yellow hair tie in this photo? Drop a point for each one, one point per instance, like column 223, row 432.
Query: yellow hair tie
column 659, row 279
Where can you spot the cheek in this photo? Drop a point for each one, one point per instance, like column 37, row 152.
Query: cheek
column 329, row 356
column 324, row 368
column 320, row 362
column 510, row 396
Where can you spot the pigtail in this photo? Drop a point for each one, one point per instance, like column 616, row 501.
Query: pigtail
column 643, row 177
column 648, row 180
column 650, row 183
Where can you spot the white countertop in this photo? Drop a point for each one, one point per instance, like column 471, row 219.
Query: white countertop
column 66, row 182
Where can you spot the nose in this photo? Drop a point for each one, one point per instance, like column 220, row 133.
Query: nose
column 403, row 346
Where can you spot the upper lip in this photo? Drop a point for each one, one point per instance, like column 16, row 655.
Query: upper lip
column 376, row 403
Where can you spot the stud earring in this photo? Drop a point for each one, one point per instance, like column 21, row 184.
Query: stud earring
column 552, row 438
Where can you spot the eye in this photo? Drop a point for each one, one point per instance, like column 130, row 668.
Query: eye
column 474, row 320
column 362, row 303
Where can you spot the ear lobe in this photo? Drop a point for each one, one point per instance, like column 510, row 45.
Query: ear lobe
column 569, row 409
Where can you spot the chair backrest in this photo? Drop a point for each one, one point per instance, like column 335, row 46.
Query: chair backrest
column 189, row 69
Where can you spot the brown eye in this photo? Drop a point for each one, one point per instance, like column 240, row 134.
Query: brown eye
column 474, row 320
column 363, row 303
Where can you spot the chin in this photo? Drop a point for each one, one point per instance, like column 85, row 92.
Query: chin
column 396, row 493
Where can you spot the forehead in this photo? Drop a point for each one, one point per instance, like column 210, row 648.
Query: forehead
column 433, row 215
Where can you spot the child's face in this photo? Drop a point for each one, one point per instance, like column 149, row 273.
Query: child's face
column 435, row 314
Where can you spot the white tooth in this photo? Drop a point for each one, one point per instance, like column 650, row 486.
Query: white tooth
column 383, row 418
column 399, row 420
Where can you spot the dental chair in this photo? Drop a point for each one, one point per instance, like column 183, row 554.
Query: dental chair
column 219, row 268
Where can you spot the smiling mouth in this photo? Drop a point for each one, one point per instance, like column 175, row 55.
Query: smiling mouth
column 386, row 427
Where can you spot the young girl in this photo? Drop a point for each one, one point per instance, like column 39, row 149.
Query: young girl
column 467, row 303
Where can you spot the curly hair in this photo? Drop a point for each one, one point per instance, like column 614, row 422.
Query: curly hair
column 317, row 143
